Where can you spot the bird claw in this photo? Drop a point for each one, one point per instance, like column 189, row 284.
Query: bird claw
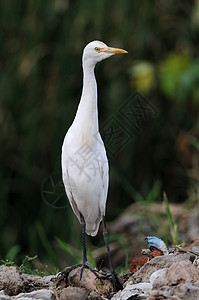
column 117, row 285
column 67, row 270
column 86, row 265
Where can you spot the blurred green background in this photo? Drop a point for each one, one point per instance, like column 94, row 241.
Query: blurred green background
column 41, row 45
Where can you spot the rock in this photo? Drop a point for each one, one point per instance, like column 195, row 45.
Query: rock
column 89, row 281
column 185, row 291
column 188, row 290
column 43, row 294
column 32, row 282
column 13, row 283
column 179, row 272
column 96, row 296
column 142, row 258
column 180, row 281
column 74, row 293
column 159, row 262
column 4, row 296
column 10, row 280
column 134, row 291
column 155, row 275
column 49, row 278
column 138, row 261
column 193, row 225
column 156, row 253
column 155, row 243
column 193, row 246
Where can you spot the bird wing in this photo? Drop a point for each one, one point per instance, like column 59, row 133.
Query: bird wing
column 104, row 170
column 86, row 184
column 70, row 188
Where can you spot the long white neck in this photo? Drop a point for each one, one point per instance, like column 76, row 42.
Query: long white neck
column 87, row 112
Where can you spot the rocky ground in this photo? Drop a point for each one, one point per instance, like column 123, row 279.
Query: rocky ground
column 174, row 275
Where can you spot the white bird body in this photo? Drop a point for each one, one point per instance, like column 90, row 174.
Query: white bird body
column 86, row 181
column 84, row 160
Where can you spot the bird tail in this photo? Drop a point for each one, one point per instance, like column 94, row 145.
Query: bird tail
column 92, row 229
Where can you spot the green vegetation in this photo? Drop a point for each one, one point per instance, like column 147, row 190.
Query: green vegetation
column 27, row 266
column 40, row 86
column 172, row 224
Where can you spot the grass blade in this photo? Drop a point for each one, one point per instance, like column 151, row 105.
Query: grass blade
column 67, row 249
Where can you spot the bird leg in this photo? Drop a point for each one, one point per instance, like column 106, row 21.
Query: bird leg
column 117, row 285
column 83, row 224
column 85, row 260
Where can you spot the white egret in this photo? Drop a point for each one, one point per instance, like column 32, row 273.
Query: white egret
column 84, row 160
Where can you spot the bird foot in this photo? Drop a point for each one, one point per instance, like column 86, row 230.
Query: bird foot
column 67, row 270
column 86, row 265
column 117, row 284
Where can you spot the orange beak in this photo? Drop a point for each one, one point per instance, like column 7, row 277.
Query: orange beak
column 112, row 50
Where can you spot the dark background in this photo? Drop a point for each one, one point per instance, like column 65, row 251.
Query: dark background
column 41, row 45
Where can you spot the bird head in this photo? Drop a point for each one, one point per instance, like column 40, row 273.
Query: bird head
column 96, row 51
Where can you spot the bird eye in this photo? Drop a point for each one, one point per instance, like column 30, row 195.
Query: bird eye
column 97, row 49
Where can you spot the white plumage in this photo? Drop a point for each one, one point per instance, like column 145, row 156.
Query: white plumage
column 84, row 160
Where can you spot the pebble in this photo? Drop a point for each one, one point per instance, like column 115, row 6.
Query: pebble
column 43, row 294
column 156, row 274
column 141, row 290
column 138, row 261
column 74, row 293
